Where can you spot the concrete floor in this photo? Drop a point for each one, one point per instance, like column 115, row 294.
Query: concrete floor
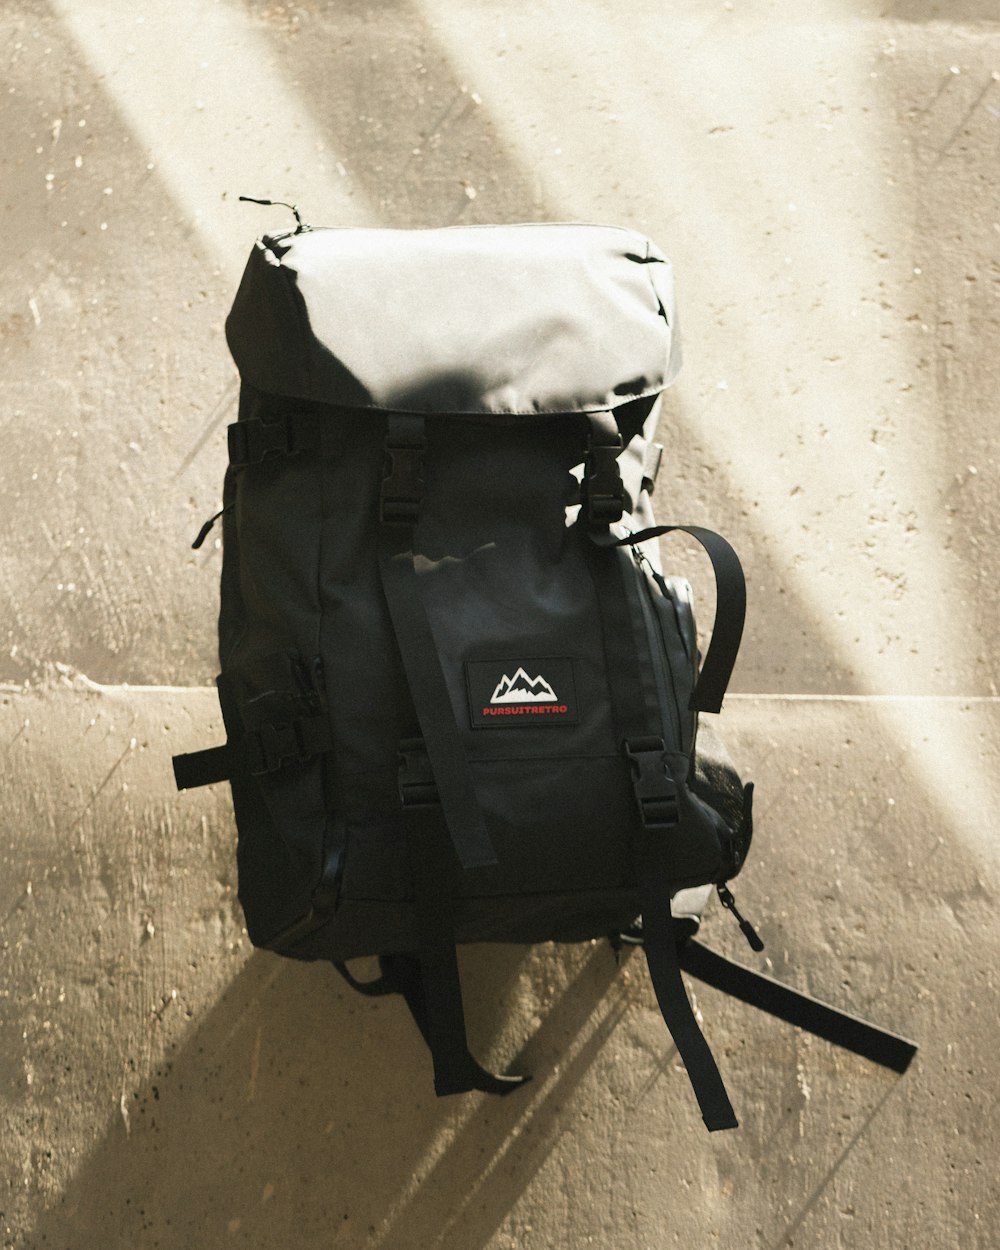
column 826, row 185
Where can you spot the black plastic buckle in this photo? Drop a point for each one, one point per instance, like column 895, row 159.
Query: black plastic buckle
column 602, row 491
column 252, row 441
column 403, row 472
column 271, row 747
column 655, row 790
column 416, row 779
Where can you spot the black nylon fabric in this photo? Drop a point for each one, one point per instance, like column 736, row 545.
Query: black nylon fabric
column 504, row 580
column 504, row 572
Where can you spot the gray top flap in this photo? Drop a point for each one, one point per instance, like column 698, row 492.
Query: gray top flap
column 492, row 320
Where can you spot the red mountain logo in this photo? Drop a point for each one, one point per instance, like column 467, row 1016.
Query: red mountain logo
column 503, row 694
column 523, row 689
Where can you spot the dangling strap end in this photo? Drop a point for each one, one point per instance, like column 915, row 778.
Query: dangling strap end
column 716, row 1123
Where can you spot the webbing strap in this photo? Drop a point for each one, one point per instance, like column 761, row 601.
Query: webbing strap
column 637, row 721
column 833, row 1025
column 401, row 490
column 660, row 950
column 634, row 705
column 602, row 492
column 435, row 995
column 263, row 750
column 205, row 768
column 730, row 611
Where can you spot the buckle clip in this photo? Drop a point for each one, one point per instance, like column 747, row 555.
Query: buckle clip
column 271, row 747
column 655, row 790
column 251, row 442
column 602, row 491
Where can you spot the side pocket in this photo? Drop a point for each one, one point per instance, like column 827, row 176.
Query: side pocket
column 274, row 707
column 675, row 616
column 717, row 783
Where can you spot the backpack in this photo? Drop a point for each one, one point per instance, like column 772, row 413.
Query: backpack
column 461, row 699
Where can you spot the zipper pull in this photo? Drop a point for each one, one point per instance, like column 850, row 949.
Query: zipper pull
column 640, row 558
column 749, row 932
column 205, row 529
column 300, row 228
column 643, row 562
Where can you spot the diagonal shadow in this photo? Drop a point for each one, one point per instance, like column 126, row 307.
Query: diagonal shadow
column 473, row 1186
column 407, row 128
column 234, row 1132
column 227, row 1088
column 941, row 10
column 789, row 1233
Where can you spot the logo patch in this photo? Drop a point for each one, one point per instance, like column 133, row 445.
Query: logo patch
column 521, row 694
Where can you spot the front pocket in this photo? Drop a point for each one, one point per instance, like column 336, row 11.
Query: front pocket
column 716, row 782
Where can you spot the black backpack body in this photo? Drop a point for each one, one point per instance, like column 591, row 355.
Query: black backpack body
column 460, row 697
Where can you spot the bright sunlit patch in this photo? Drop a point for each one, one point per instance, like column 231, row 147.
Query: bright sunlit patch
column 761, row 147
column 204, row 94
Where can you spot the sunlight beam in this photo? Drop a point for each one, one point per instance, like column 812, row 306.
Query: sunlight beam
column 204, row 93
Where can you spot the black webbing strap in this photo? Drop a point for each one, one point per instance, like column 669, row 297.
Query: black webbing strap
column 636, row 715
column 659, row 945
column 730, row 611
column 402, row 488
column 434, row 996
column 205, row 768
column 833, row 1025
column 259, row 751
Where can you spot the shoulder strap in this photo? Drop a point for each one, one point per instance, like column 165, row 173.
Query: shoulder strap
column 850, row 1032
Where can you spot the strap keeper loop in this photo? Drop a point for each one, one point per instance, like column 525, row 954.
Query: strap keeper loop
column 403, row 471
column 416, row 778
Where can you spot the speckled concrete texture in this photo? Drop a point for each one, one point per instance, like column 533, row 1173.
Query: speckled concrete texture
column 825, row 182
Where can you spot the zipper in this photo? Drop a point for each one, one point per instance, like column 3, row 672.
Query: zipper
column 667, row 695
column 747, row 929
column 206, row 529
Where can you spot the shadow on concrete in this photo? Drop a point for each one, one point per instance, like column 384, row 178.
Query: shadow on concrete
column 257, row 1112
column 405, row 125
column 293, row 1084
column 106, row 346
column 413, row 134
column 951, row 11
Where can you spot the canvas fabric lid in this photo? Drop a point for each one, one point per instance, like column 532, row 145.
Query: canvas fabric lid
column 489, row 320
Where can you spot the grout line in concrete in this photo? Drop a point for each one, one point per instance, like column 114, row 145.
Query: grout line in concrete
column 864, row 698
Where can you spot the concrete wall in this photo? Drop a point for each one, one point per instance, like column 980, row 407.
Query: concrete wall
column 825, row 179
